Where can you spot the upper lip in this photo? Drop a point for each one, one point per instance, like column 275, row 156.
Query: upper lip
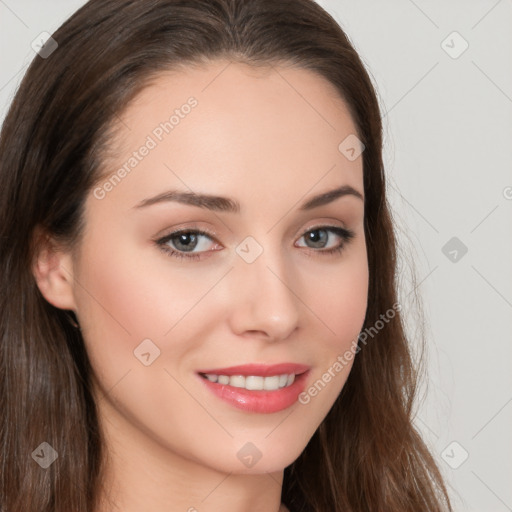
column 259, row 369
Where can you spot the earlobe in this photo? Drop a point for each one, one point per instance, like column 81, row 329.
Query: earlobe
column 52, row 268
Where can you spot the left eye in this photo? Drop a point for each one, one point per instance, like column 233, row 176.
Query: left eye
column 312, row 236
column 185, row 241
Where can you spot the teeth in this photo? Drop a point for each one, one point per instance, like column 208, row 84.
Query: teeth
column 238, row 381
column 254, row 382
column 270, row 383
column 223, row 379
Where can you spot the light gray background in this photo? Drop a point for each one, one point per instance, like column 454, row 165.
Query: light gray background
column 448, row 156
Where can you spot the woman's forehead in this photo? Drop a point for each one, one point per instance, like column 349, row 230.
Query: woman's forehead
column 227, row 120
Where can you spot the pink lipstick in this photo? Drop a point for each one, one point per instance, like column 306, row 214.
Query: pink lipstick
column 256, row 387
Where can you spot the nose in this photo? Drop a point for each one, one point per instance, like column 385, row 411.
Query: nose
column 264, row 302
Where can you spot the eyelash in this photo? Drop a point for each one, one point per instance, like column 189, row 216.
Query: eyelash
column 345, row 234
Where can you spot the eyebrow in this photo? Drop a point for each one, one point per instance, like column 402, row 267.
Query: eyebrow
column 229, row 205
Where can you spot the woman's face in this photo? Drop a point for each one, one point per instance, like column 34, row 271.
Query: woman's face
column 260, row 288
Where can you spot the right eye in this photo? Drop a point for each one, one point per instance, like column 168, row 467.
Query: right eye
column 187, row 239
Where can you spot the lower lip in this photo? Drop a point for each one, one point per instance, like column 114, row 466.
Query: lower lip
column 265, row 402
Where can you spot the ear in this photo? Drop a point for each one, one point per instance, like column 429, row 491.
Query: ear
column 52, row 268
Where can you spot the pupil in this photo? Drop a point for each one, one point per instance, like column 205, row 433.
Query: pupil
column 315, row 239
column 182, row 239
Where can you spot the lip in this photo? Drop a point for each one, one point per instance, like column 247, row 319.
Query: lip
column 259, row 369
column 258, row 401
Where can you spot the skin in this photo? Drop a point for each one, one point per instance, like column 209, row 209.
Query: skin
column 267, row 137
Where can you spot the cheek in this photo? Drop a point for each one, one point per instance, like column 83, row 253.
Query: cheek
column 129, row 295
column 132, row 292
column 347, row 305
column 119, row 306
column 339, row 301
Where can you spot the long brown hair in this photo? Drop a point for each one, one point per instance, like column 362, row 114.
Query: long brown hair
column 366, row 455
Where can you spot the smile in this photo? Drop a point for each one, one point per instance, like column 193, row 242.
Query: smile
column 256, row 388
column 253, row 382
